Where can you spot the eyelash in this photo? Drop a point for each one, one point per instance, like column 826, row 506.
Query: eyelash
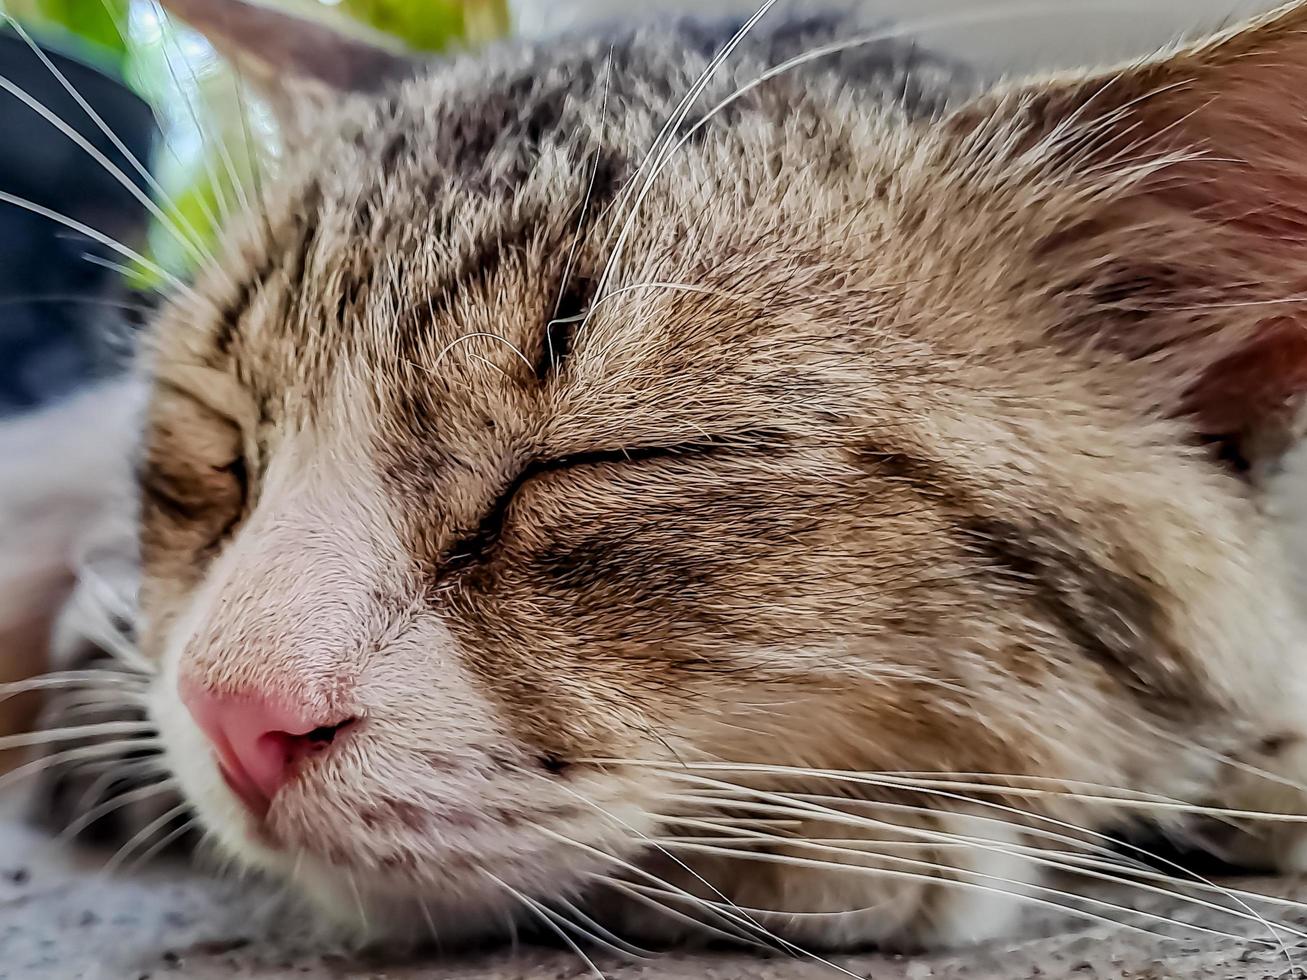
column 474, row 546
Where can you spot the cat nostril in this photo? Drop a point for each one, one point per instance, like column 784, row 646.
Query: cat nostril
column 324, row 735
column 258, row 741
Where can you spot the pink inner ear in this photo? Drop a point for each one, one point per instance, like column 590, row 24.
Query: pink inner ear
column 1259, row 384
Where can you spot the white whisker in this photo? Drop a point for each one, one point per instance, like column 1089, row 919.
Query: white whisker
column 177, row 221
column 75, row 754
column 835, row 815
column 583, row 934
column 63, row 679
column 251, row 156
column 488, row 336
column 831, row 866
column 162, row 843
column 1034, row 855
column 109, row 166
column 768, row 934
column 105, row 240
column 69, row 711
column 585, row 203
column 747, row 929
column 114, row 771
column 75, row 732
column 644, row 837
column 107, row 696
column 1127, row 800
column 96, row 601
column 545, row 917
column 431, row 923
column 674, row 120
column 358, row 901
column 598, row 933
column 631, row 890
column 761, row 912
column 120, row 269
column 899, row 30
column 141, row 836
column 224, row 205
column 116, row 803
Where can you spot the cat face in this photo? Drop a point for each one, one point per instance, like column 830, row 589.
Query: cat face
column 504, row 478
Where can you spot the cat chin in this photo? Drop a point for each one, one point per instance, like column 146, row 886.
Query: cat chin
column 359, row 908
column 363, row 910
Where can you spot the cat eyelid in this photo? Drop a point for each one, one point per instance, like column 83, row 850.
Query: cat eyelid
column 473, row 546
column 704, row 445
column 618, row 457
column 635, row 454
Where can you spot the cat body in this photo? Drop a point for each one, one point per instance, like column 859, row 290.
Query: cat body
column 797, row 519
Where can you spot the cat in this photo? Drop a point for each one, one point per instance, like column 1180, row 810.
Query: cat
column 760, row 483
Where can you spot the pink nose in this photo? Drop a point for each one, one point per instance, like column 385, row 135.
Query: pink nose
column 259, row 741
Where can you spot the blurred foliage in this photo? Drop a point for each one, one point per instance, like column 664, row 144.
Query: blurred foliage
column 433, row 25
column 96, row 24
column 215, row 141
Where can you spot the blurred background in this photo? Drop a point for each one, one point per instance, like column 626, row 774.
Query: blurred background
column 182, row 129
column 149, row 97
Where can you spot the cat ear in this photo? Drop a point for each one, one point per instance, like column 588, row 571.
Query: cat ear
column 296, row 63
column 1184, row 220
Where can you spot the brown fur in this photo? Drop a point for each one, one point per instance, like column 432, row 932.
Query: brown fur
column 872, row 441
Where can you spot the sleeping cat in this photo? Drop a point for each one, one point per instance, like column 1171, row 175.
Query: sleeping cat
column 733, row 483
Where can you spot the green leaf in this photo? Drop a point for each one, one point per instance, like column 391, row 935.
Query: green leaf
column 433, row 25
column 92, row 24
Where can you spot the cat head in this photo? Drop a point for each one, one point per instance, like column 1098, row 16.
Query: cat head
column 522, row 454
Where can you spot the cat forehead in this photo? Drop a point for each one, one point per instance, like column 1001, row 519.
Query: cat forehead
column 428, row 222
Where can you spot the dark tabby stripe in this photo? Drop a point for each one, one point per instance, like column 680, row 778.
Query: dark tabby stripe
column 1110, row 615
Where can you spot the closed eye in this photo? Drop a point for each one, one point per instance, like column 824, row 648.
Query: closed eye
column 178, row 495
column 475, row 545
column 212, row 499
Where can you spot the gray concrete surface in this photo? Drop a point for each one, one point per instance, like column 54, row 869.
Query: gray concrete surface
column 61, row 918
